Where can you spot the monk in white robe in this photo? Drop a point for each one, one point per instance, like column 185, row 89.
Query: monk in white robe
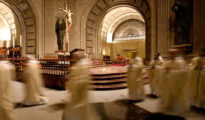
column 135, row 82
column 79, row 77
column 196, row 88
column 153, row 73
column 7, row 74
column 174, row 84
column 34, row 83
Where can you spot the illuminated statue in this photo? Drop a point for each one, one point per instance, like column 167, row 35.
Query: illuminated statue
column 68, row 18
column 60, row 32
column 183, row 10
column 68, row 23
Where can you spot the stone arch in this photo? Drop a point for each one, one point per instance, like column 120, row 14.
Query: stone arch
column 24, row 12
column 133, row 26
column 99, row 10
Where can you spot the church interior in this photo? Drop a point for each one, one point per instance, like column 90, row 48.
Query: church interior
column 102, row 59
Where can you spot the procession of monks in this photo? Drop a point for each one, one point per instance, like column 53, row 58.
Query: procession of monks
column 34, row 94
column 178, row 84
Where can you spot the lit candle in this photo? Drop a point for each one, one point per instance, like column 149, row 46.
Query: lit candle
column 20, row 41
column 7, row 44
column 13, row 42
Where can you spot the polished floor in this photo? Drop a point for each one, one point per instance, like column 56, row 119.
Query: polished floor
column 110, row 101
column 109, row 70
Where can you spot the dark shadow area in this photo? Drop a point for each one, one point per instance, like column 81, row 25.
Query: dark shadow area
column 120, row 110
column 198, row 110
column 18, row 105
column 152, row 96
column 160, row 116
column 21, row 105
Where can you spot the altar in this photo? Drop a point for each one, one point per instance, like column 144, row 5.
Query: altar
column 55, row 72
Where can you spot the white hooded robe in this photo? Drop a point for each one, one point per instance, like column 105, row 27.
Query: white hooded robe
column 153, row 73
column 7, row 74
column 173, row 86
column 34, row 84
column 78, row 84
column 196, row 88
column 135, row 82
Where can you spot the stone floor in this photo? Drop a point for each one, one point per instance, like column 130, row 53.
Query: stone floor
column 53, row 110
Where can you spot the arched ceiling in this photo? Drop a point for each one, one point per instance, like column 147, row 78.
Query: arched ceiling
column 130, row 29
column 96, row 36
column 117, row 16
column 123, row 18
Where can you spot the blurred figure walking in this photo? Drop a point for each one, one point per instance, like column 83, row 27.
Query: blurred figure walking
column 78, row 108
column 7, row 74
column 196, row 88
column 153, row 73
column 135, row 82
column 34, row 83
column 173, row 86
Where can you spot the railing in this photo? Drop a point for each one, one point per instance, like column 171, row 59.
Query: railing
column 56, row 67
column 55, row 71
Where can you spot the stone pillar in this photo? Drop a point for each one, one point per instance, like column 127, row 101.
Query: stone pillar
column 50, row 36
column 163, row 27
column 199, row 24
column 154, row 45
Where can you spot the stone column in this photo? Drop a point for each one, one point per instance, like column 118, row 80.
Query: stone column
column 50, row 36
column 163, row 27
column 154, row 41
column 199, row 24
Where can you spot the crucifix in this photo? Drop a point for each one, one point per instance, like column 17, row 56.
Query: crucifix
column 68, row 23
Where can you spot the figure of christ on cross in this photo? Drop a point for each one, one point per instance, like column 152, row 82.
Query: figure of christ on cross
column 68, row 23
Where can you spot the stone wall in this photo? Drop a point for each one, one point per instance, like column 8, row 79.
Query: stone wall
column 123, row 47
column 165, row 37
column 39, row 16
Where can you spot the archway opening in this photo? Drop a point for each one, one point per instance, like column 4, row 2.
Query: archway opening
column 122, row 31
column 10, row 32
column 10, row 28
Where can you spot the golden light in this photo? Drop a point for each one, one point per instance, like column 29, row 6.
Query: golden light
column 104, row 52
column 109, row 38
column 5, row 33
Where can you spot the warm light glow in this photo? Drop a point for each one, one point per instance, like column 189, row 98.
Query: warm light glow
column 109, row 38
column 104, row 52
column 5, row 33
column 20, row 41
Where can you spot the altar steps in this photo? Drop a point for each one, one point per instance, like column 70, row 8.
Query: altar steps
column 111, row 81
column 108, row 87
